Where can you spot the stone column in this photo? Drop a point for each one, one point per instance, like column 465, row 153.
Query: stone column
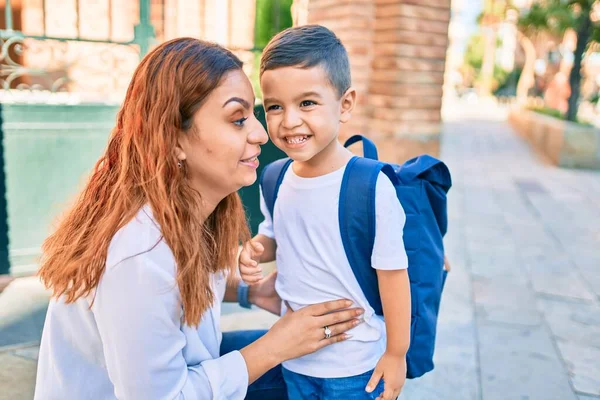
column 407, row 76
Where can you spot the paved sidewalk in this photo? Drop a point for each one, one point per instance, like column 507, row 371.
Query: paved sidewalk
column 23, row 307
column 520, row 316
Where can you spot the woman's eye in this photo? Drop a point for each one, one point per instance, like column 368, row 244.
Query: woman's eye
column 307, row 103
column 240, row 122
column 273, row 108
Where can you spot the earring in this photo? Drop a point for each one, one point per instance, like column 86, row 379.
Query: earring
column 179, row 164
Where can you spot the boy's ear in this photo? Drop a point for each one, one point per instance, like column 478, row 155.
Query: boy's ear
column 347, row 105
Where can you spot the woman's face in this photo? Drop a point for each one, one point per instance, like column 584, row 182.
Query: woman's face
column 220, row 151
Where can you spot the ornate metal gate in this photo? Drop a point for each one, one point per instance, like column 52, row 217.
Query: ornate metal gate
column 60, row 86
column 64, row 67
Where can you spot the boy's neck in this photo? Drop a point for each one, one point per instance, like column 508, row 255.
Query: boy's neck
column 330, row 159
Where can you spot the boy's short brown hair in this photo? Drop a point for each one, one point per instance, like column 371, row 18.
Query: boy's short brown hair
column 305, row 47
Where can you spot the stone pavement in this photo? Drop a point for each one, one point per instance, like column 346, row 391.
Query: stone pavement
column 520, row 317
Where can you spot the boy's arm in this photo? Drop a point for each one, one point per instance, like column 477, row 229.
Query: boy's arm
column 391, row 262
column 266, row 233
column 394, row 289
column 258, row 250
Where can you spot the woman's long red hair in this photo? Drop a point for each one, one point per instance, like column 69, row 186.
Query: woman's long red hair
column 140, row 167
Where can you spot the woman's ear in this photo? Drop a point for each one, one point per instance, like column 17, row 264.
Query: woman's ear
column 181, row 145
column 347, row 103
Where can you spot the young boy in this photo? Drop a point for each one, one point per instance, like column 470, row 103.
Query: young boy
column 305, row 80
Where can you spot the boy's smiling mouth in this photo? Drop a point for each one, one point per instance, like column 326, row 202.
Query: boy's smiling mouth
column 296, row 140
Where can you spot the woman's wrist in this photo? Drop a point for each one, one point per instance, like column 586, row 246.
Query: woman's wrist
column 260, row 357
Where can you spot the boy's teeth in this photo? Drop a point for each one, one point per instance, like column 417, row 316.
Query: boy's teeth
column 296, row 139
column 250, row 159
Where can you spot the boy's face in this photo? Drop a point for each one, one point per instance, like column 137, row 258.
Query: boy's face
column 303, row 110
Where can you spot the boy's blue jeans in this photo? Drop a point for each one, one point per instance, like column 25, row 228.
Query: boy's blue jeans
column 270, row 386
column 302, row 387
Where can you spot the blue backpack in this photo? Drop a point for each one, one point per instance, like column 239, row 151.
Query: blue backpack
column 421, row 186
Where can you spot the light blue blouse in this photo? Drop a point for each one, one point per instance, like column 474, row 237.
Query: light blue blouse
column 132, row 343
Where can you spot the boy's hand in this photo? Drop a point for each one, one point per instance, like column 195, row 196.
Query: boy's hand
column 250, row 271
column 446, row 264
column 392, row 368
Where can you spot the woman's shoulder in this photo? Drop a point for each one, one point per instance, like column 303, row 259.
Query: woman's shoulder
column 140, row 242
column 139, row 265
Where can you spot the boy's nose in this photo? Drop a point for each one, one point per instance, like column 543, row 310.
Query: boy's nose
column 291, row 119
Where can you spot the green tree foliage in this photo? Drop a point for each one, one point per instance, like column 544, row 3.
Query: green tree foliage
column 473, row 58
column 555, row 17
column 474, row 51
column 493, row 14
column 272, row 16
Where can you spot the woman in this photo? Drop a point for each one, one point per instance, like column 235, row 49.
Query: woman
column 139, row 266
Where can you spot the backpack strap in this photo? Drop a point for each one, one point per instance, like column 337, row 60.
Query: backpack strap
column 369, row 148
column 270, row 180
column 357, row 221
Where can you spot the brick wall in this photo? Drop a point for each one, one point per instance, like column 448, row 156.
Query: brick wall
column 397, row 52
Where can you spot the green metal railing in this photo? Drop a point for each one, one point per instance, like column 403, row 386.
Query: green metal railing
column 4, row 260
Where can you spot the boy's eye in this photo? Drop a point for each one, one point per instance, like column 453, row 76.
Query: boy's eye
column 307, row 103
column 240, row 122
column 273, row 108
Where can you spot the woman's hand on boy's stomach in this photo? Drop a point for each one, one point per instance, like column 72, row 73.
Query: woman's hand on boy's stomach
column 370, row 329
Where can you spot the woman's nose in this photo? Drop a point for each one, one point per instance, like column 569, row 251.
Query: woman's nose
column 258, row 135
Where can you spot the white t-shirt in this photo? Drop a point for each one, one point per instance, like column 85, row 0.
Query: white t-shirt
column 313, row 267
